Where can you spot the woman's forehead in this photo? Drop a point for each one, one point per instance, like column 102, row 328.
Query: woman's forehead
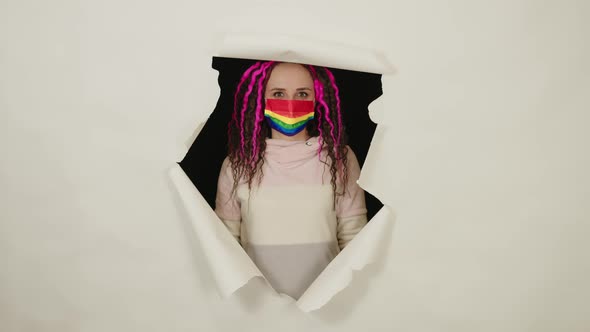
column 288, row 75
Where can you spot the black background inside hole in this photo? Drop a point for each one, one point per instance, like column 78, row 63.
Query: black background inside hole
column 205, row 156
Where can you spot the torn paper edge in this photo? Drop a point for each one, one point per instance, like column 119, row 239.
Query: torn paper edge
column 231, row 267
column 365, row 248
column 281, row 47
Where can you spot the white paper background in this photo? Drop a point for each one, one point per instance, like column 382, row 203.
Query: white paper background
column 482, row 156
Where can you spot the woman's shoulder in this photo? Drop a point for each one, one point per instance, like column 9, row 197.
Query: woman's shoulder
column 226, row 162
column 227, row 172
column 352, row 162
column 350, row 154
column 226, row 169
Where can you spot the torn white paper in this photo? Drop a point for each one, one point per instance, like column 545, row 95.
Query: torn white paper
column 231, row 267
column 280, row 47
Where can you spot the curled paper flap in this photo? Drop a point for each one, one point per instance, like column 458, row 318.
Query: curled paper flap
column 366, row 248
column 230, row 265
column 281, row 47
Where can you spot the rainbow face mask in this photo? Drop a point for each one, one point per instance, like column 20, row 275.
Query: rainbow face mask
column 288, row 116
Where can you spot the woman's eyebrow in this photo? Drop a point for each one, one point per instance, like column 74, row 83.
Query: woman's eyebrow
column 276, row 89
column 303, row 89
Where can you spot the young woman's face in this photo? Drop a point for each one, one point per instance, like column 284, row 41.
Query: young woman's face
column 289, row 81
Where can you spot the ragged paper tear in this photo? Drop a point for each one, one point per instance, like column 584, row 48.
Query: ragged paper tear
column 230, row 265
column 286, row 48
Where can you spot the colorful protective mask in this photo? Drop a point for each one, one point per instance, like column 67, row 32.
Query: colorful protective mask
column 288, row 116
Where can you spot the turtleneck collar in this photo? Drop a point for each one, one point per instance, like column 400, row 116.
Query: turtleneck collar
column 291, row 152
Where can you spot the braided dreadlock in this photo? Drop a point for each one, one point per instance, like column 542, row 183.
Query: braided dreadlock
column 247, row 129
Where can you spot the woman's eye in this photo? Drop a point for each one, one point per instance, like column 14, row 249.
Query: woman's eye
column 277, row 94
column 303, row 94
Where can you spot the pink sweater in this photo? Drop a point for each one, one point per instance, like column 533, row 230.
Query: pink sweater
column 287, row 224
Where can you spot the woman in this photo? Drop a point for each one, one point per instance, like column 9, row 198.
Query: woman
column 287, row 190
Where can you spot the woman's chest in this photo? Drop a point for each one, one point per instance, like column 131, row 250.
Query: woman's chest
column 288, row 213
column 311, row 172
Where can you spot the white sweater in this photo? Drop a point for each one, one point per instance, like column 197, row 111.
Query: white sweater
column 287, row 224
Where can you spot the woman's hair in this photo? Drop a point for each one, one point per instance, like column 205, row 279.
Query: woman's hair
column 247, row 129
